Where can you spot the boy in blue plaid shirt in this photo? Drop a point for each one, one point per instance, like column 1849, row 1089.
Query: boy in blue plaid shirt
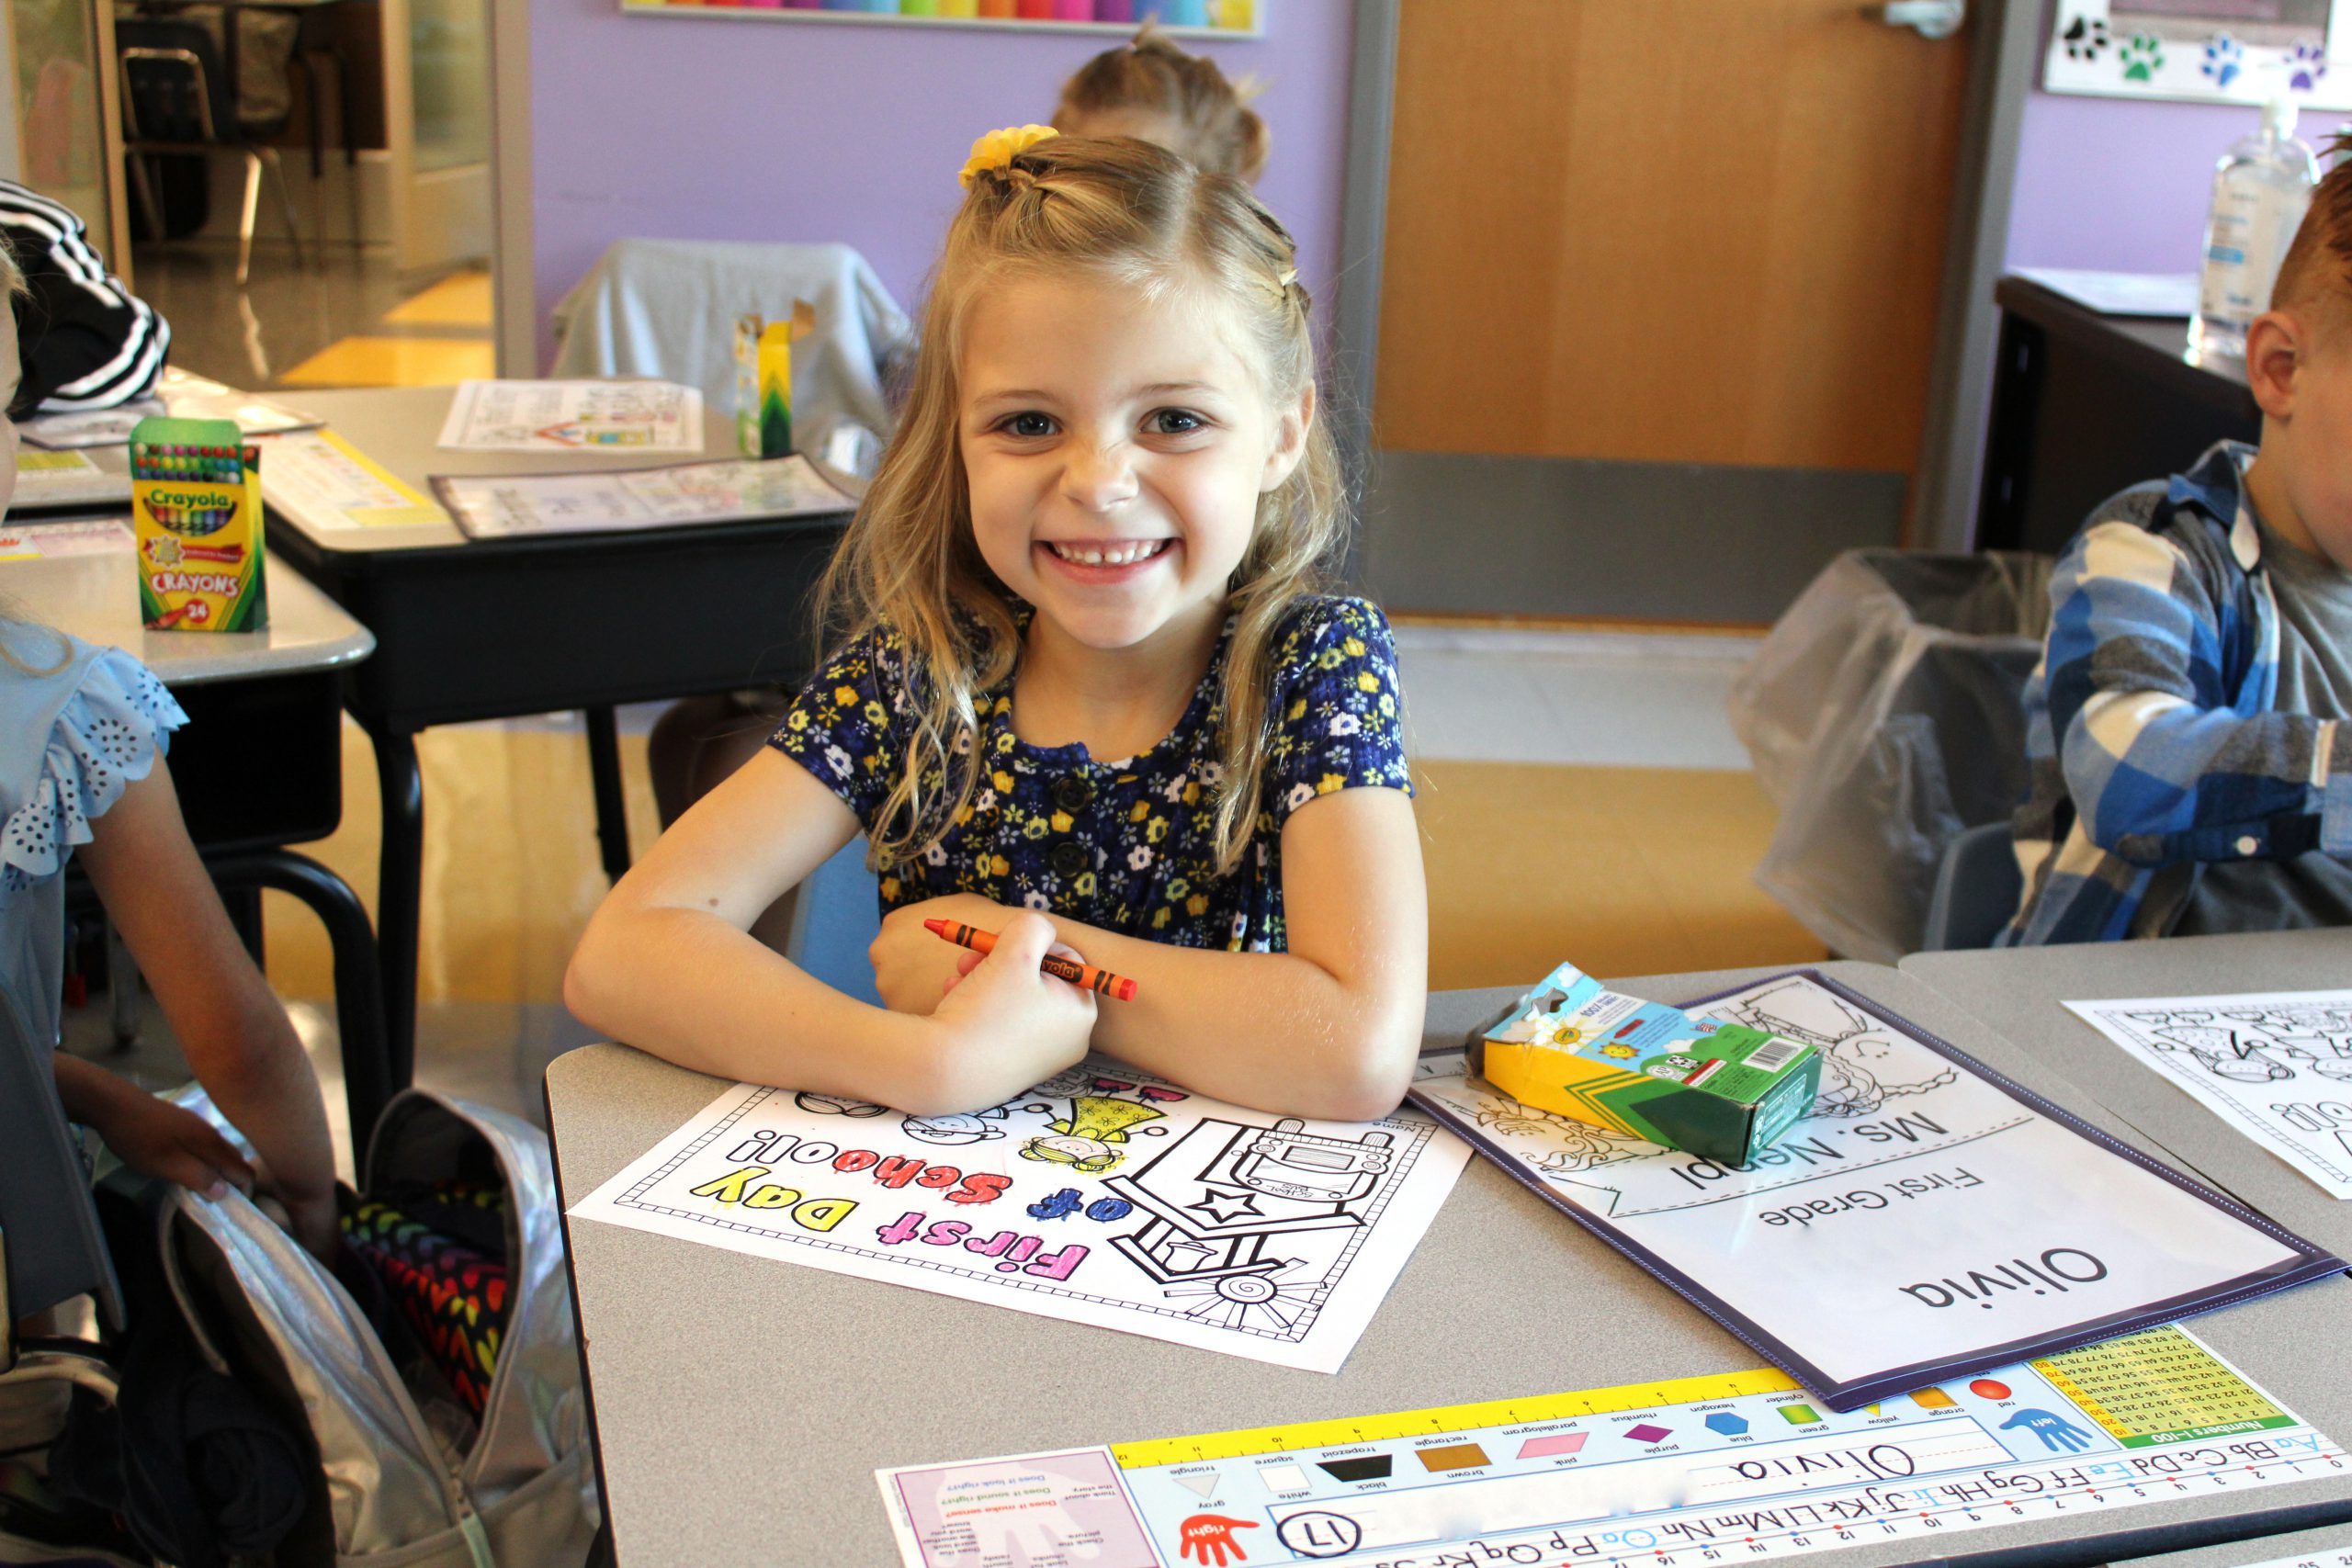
column 2191, row 765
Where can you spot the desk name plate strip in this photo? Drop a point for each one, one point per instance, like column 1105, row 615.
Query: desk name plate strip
column 1676, row 1475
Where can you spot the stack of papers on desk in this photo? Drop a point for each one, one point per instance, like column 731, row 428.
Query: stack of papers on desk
column 67, row 479
column 505, row 506
column 573, row 416
column 180, row 395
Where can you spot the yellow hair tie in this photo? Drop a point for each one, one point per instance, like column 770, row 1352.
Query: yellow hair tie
column 998, row 148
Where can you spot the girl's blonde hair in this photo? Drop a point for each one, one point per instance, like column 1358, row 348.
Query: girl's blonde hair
column 1147, row 220
column 1215, row 127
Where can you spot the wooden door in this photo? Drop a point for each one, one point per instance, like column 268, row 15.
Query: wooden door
column 1702, row 231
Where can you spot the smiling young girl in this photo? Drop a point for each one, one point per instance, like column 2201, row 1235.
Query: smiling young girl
column 1086, row 696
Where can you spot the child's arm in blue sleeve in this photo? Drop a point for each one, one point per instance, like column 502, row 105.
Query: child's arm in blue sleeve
column 2162, row 769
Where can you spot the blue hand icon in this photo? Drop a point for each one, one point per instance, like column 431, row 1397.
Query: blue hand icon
column 2055, row 1432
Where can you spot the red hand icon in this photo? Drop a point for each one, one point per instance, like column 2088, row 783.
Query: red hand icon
column 1207, row 1533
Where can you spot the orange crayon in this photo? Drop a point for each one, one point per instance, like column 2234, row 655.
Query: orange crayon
column 1053, row 963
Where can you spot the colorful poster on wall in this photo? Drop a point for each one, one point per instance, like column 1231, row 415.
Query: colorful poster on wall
column 1101, row 1196
column 1182, row 18
column 2234, row 51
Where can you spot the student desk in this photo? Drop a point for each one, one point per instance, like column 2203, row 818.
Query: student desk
column 260, row 765
column 471, row 630
column 2329, row 1548
column 2018, row 992
column 2085, row 405
column 741, row 1405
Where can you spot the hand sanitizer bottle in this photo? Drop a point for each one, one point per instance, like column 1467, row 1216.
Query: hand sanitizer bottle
column 2260, row 190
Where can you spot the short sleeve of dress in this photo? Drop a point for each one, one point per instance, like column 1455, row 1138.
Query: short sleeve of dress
column 844, row 727
column 108, row 719
column 1339, row 709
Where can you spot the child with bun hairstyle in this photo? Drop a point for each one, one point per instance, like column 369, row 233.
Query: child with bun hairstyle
column 1087, row 692
column 1150, row 89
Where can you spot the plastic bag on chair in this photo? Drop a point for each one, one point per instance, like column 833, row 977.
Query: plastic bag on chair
column 1884, row 715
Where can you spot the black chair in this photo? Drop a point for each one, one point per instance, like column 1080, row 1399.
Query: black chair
column 1977, row 888
column 178, row 99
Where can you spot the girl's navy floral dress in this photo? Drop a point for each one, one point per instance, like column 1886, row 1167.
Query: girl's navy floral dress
column 1127, row 846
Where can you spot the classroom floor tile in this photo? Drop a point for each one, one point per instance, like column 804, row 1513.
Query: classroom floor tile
column 372, row 361
column 461, row 299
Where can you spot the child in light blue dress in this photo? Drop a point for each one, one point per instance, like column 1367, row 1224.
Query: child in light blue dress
column 83, row 733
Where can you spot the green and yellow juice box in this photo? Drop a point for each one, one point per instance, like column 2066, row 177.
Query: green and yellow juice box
column 196, row 508
column 764, row 379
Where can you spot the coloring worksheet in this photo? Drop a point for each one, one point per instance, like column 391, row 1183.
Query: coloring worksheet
column 500, row 506
column 2276, row 1066
column 1925, row 1216
column 1101, row 1196
column 573, row 416
column 1681, row 1474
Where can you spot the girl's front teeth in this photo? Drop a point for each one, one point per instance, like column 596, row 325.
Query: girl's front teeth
column 1120, row 557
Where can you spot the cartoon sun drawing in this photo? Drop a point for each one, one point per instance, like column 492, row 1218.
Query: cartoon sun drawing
column 1265, row 1300
column 1623, row 1052
column 1565, row 1033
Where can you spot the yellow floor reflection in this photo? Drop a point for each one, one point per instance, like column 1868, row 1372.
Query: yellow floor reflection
column 395, row 362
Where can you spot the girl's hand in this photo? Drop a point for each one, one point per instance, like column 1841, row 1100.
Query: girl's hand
column 912, row 966
column 1005, row 1024
column 156, row 1138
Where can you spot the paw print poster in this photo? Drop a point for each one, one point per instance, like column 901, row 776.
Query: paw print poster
column 2202, row 50
column 1101, row 1196
column 1924, row 1218
column 2276, row 1066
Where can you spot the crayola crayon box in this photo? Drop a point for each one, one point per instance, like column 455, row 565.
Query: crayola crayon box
column 1719, row 1091
column 196, row 508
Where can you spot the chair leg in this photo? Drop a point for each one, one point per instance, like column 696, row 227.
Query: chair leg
column 285, row 202
column 246, row 220
column 144, row 188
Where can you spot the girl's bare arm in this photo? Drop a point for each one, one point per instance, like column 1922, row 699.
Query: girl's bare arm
column 1329, row 1029
column 668, row 964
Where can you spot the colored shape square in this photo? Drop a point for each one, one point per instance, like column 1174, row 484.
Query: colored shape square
column 1559, row 1443
column 1799, row 1415
column 1285, row 1478
column 1454, row 1456
column 1934, row 1399
column 1648, row 1433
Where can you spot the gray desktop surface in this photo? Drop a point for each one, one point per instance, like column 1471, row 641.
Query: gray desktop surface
column 399, row 427
column 2019, row 992
column 95, row 597
column 742, row 1406
column 2328, row 1548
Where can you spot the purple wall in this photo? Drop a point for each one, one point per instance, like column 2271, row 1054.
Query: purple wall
column 2122, row 184
column 740, row 129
